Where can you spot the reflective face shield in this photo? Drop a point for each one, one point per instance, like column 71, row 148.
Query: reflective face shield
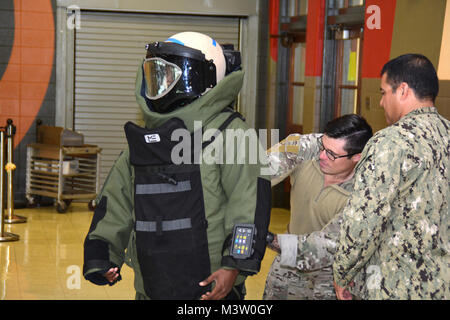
column 175, row 75
column 160, row 77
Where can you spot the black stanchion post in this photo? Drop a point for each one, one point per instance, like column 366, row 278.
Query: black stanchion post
column 4, row 236
column 10, row 217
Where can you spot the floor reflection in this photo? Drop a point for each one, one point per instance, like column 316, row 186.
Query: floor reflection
column 46, row 262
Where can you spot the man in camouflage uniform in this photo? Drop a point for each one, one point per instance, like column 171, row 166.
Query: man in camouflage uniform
column 321, row 168
column 394, row 240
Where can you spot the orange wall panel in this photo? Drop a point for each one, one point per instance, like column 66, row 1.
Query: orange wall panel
column 9, row 108
column 37, row 20
column 36, row 38
column 14, row 73
column 377, row 42
column 444, row 56
column 9, row 90
column 274, row 12
column 26, row 78
column 314, row 38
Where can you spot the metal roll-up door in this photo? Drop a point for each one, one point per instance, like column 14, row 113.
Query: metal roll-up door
column 108, row 50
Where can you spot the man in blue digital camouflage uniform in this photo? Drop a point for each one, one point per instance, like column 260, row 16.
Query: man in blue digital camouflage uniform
column 394, row 239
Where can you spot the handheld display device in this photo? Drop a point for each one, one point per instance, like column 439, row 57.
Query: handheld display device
column 242, row 241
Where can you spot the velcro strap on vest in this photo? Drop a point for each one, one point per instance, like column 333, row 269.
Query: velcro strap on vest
column 157, row 188
column 167, row 225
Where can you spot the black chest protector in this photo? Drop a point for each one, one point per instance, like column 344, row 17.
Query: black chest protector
column 171, row 238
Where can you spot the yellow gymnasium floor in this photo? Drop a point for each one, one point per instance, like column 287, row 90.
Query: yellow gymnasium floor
column 46, row 263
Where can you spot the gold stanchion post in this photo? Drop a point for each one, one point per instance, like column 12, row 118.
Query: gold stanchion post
column 4, row 236
column 10, row 167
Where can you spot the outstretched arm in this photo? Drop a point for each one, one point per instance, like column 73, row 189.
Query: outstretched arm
column 287, row 154
column 312, row 251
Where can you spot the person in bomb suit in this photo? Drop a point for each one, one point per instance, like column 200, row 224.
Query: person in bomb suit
column 162, row 210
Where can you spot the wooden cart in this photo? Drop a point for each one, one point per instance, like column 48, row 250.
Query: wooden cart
column 60, row 171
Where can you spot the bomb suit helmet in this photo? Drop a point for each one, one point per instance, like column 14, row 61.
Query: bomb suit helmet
column 181, row 69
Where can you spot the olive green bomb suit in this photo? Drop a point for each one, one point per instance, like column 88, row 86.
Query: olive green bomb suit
column 173, row 238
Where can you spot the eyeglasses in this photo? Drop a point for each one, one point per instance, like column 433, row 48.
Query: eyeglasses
column 330, row 154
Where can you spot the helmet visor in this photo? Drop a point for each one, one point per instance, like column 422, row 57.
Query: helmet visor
column 160, row 77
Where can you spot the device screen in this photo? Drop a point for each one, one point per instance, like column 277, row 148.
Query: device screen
column 242, row 241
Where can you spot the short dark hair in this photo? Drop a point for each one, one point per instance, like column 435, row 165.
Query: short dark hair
column 417, row 71
column 351, row 127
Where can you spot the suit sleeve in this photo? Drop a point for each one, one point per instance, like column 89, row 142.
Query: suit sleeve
column 248, row 195
column 108, row 236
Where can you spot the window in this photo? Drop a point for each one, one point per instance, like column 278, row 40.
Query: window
column 296, row 37
column 341, row 77
column 347, row 93
column 296, row 87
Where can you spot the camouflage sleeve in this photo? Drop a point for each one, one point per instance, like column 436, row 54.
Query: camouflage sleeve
column 365, row 216
column 287, row 154
column 312, row 251
column 316, row 250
